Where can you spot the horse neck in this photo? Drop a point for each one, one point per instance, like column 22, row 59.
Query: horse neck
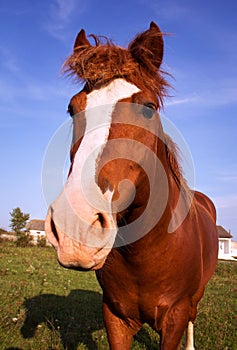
column 159, row 232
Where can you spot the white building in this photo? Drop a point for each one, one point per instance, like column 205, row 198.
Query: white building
column 36, row 230
column 234, row 249
column 224, row 244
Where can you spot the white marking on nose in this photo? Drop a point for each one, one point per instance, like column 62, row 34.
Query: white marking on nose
column 80, row 202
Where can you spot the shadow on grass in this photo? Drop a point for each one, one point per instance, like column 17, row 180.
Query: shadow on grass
column 75, row 317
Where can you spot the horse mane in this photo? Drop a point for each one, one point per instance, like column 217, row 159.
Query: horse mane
column 173, row 159
column 97, row 65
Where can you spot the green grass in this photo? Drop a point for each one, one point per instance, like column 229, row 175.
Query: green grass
column 43, row 306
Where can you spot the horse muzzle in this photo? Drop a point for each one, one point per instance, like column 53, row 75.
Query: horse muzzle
column 87, row 251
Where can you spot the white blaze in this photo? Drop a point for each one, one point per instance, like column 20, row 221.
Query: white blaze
column 82, row 199
column 99, row 109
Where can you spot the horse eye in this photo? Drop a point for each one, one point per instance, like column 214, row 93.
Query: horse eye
column 148, row 110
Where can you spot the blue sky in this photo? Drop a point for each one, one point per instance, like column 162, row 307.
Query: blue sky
column 200, row 53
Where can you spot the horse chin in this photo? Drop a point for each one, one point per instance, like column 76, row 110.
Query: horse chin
column 73, row 266
column 85, row 264
column 82, row 267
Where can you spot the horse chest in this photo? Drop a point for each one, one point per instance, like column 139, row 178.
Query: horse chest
column 136, row 305
column 140, row 294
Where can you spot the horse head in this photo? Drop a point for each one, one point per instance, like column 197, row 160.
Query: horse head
column 118, row 150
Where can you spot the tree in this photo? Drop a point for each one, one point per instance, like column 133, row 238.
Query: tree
column 18, row 223
column 18, row 220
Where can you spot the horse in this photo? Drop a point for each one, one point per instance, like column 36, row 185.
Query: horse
column 126, row 210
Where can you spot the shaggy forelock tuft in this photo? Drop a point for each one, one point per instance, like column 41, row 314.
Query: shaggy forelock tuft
column 98, row 65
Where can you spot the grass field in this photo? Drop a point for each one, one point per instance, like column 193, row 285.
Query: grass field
column 45, row 307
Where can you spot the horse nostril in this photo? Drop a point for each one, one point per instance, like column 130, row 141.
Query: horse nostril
column 51, row 230
column 101, row 220
column 54, row 230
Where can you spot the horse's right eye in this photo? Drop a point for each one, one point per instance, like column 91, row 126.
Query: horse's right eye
column 148, row 110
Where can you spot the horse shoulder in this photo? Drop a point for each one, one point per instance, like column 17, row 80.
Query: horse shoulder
column 206, row 224
column 205, row 204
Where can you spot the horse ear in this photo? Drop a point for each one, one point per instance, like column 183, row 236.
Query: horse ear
column 148, row 47
column 81, row 40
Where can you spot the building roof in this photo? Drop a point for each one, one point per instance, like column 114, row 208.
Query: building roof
column 37, row 225
column 222, row 233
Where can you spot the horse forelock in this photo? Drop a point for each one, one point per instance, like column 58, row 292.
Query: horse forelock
column 98, row 65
